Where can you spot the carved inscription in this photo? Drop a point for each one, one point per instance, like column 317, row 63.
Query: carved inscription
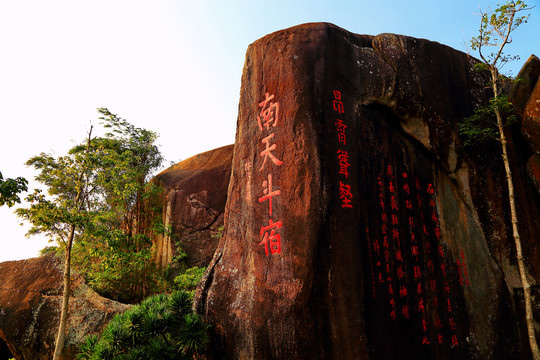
column 410, row 268
column 342, row 155
column 267, row 120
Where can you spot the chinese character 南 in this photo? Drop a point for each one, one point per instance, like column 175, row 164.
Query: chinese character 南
column 269, row 113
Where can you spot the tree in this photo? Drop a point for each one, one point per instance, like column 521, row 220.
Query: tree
column 60, row 217
column 10, row 189
column 132, row 157
column 92, row 193
column 496, row 28
column 114, row 253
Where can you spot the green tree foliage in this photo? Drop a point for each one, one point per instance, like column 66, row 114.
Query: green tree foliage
column 10, row 189
column 161, row 327
column 189, row 278
column 496, row 28
column 124, row 160
column 130, row 159
column 48, row 250
column 93, row 197
column 120, row 269
column 481, row 127
column 115, row 251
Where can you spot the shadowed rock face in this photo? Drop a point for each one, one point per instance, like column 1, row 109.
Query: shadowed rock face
column 356, row 225
column 529, row 89
column 30, row 300
column 193, row 203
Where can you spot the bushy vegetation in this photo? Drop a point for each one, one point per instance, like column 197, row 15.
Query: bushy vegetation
column 121, row 270
column 10, row 189
column 161, row 327
column 481, row 127
column 94, row 195
column 189, row 278
column 100, row 207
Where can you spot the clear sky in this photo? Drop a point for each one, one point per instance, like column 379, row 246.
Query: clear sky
column 173, row 67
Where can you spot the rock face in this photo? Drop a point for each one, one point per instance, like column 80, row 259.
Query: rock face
column 357, row 226
column 193, row 203
column 529, row 89
column 30, row 299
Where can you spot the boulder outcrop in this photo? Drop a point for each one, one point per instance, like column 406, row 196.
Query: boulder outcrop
column 529, row 89
column 193, row 204
column 30, row 300
column 357, row 226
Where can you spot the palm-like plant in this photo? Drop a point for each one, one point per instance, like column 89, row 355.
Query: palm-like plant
column 161, row 327
column 180, row 303
column 193, row 335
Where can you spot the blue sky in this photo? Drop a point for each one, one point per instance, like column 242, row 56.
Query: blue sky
column 173, row 67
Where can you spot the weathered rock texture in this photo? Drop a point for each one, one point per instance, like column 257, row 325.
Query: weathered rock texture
column 527, row 99
column 356, row 225
column 193, row 203
column 30, row 300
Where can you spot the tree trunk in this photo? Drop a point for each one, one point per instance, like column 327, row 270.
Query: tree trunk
column 61, row 337
column 529, row 319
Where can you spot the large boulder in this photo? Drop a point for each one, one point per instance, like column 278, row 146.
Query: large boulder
column 193, row 204
column 30, row 300
column 523, row 88
column 531, row 120
column 357, row 226
column 526, row 98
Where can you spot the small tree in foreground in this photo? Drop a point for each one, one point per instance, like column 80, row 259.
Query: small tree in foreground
column 495, row 32
column 161, row 327
column 62, row 215
column 93, row 202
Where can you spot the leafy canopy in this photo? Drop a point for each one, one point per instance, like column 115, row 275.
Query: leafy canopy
column 481, row 127
column 114, row 171
column 111, row 172
column 495, row 32
column 496, row 28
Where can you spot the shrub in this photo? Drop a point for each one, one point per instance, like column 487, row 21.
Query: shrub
column 189, row 279
column 161, row 327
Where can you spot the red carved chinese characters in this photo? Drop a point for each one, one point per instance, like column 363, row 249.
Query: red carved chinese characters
column 410, row 266
column 345, row 194
column 338, row 105
column 267, row 152
column 395, row 242
column 384, row 231
column 340, row 128
column 343, row 158
column 271, row 240
column 268, row 119
column 269, row 113
column 269, row 193
column 419, row 277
